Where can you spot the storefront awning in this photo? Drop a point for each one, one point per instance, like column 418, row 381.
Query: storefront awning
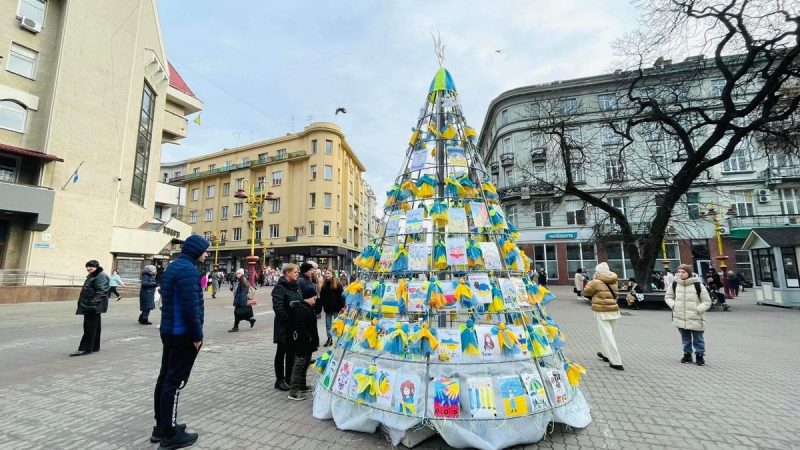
column 5, row 148
column 773, row 237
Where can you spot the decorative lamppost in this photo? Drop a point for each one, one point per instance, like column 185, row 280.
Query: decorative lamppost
column 254, row 199
column 664, row 256
column 711, row 214
column 216, row 241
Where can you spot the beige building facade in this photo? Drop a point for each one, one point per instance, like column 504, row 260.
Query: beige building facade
column 322, row 206
column 87, row 98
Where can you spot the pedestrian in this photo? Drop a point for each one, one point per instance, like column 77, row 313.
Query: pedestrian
column 332, row 301
column 742, row 280
column 689, row 301
column 147, row 293
column 115, row 281
column 733, row 282
column 668, row 279
column 284, row 292
column 542, row 277
column 92, row 302
column 204, row 281
column 182, row 314
column 603, row 290
column 241, row 309
column 579, row 283
column 309, row 282
column 305, row 341
column 635, row 294
column 214, row 284
column 159, row 274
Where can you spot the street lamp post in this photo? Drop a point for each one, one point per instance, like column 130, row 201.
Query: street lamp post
column 664, row 256
column 215, row 241
column 713, row 216
column 254, row 199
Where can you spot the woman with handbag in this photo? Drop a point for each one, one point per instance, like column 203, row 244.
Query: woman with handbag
column 243, row 301
column 603, row 292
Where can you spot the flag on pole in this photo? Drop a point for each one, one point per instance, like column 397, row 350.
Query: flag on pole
column 197, row 120
column 75, row 176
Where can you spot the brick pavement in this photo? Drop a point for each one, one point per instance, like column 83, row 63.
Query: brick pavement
column 745, row 397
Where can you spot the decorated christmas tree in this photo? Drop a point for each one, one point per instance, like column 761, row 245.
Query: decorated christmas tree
column 444, row 328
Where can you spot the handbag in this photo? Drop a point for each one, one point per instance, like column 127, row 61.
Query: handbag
column 251, row 296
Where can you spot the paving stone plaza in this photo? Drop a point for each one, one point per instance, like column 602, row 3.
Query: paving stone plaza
column 745, row 396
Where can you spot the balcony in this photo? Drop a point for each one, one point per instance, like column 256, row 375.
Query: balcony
column 525, row 190
column 175, row 126
column 539, row 154
column 291, row 238
column 507, row 159
column 612, row 230
column 495, row 167
column 777, row 220
column 790, row 172
column 32, row 201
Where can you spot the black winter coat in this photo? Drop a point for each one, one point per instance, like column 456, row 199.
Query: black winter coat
column 331, row 299
column 240, row 290
column 305, row 337
column 283, row 294
column 94, row 294
column 147, row 292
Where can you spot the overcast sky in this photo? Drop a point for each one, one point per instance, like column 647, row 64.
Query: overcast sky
column 263, row 67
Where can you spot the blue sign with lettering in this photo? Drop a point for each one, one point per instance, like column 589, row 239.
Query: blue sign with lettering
column 570, row 235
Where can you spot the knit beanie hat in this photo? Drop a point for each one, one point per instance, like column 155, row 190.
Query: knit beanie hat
column 305, row 267
column 686, row 267
column 194, row 246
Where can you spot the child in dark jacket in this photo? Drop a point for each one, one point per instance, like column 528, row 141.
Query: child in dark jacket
column 305, row 341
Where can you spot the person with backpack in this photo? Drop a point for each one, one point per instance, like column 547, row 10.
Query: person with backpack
column 603, row 291
column 689, row 300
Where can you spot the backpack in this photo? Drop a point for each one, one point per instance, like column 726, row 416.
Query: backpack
column 697, row 287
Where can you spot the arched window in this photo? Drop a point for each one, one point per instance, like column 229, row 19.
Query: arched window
column 12, row 116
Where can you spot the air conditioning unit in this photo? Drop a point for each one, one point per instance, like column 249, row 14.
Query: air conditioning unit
column 763, row 198
column 30, row 24
column 763, row 192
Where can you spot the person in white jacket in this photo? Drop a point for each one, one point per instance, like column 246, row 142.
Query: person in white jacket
column 689, row 300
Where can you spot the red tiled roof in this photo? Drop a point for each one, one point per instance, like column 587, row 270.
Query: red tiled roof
column 176, row 81
column 27, row 152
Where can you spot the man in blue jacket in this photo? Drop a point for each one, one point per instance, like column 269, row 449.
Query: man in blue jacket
column 182, row 335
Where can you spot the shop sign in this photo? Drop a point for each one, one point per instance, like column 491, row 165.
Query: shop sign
column 324, row 251
column 570, row 235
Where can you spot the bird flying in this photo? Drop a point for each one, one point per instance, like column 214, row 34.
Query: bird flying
column 340, row 110
column 499, row 50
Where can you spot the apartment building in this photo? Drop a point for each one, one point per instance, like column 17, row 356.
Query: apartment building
column 561, row 233
column 87, row 97
column 321, row 210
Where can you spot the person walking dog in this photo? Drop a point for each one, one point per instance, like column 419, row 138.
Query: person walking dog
column 689, row 300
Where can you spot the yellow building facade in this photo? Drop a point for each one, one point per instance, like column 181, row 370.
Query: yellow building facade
column 321, row 210
column 87, row 98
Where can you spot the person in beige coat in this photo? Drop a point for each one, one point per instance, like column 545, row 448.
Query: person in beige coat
column 579, row 283
column 603, row 290
column 689, row 300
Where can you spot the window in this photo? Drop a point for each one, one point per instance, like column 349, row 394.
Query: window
column 790, row 201
column 237, row 234
column 260, row 210
column 176, row 174
column 609, row 137
column 224, row 213
column 509, row 177
column 673, row 255
column 580, row 255
column 211, row 167
column 328, row 147
column 740, row 158
column 226, row 189
column 195, row 195
column 312, row 200
column 245, row 159
column 504, row 117
column 651, row 131
column 312, row 228
column 237, row 209
column 281, row 153
column 277, row 178
column 658, row 164
column 313, row 171
column 12, row 116
column 223, row 236
column 508, row 145
column 33, row 9
column 166, row 177
column 618, row 261
column 263, row 156
column 544, row 256
column 326, row 228
column 276, row 206
column 22, row 61
column 744, row 203
column 209, row 214
column 607, row 102
column 211, row 191
column 621, row 203
column 693, row 205
column 615, row 168
column 511, row 214
column 576, row 215
column 578, row 171
column 239, row 183
column 541, row 214
column 764, row 265
column 569, row 105
column 260, row 183
column 192, row 216
column 314, row 147
column 328, row 173
column 258, row 233
column 228, row 165
column 8, row 169
column 326, row 200
column 540, row 172
column 716, row 88
column 143, row 139
column 680, row 94
column 196, row 171
column 207, row 236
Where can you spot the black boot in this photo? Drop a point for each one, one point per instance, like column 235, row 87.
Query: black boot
column 700, row 360
column 328, row 342
column 687, row 358
column 252, row 322
column 233, row 330
column 179, row 439
column 156, row 435
column 281, row 385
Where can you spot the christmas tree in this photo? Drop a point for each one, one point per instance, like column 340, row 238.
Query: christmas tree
column 444, row 328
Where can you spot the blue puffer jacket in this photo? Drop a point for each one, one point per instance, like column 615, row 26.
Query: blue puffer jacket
column 182, row 299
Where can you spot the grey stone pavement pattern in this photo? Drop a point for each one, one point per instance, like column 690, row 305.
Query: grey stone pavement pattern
column 745, row 397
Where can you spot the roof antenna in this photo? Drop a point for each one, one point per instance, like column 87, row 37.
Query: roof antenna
column 438, row 47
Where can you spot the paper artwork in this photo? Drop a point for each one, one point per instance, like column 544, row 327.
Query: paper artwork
column 342, row 381
column 491, row 256
column 481, row 287
column 387, row 258
column 386, row 380
column 456, row 251
column 418, row 256
column 558, row 382
column 487, row 343
column 414, row 220
column 480, row 215
column 449, row 350
column 535, row 389
column 329, row 372
column 509, row 292
column 418, row 159
column 405, row 393
column 456, row 157
column 457, row 220
column 481, row 398
column 512, row 391
column 417, row 303
column 446, row 398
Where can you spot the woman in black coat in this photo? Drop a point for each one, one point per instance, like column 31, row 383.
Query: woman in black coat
column 241, row 310
column 332, row 301
column 285, row 292
column 147, row 294
column 92, row 302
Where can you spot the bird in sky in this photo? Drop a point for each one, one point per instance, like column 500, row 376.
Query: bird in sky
column 500, row 50
column 340, row 110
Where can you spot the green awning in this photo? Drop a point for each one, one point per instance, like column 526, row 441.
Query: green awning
column 740, row 233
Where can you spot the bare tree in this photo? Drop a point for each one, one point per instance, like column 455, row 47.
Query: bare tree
column 754, row 47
